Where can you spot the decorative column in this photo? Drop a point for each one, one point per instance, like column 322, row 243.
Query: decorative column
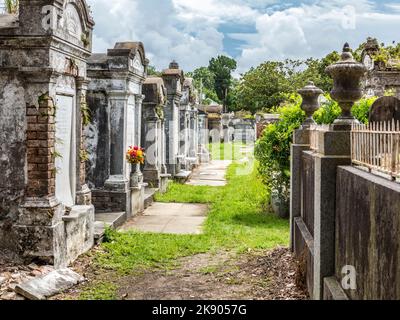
column 83, row 193
column 137, row 186
column 118, row 180
column 138, row 118
column 163, row 148
column 152, row 144
column 301, row 142
column 183, row 134
column 334, row 149
column 173, row 78
column 196, row 135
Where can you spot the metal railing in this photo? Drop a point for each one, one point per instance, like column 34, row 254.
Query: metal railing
column 377, row 147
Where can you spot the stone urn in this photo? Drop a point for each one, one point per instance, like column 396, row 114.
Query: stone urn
column 346, row 75
column 310, row 104
column 136, row 178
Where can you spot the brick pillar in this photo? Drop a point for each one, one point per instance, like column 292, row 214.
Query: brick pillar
column 41, row 149
column 39, row 229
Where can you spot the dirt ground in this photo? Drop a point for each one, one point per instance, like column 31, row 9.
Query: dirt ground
column 261, row 275
column 13, row 272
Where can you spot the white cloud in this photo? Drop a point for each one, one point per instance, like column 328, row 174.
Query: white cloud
column 215, row 12
column 315, row 30
column 189, row 30
column 158, row 25
column 393, row 6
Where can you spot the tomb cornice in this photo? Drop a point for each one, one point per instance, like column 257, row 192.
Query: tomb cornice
column 136, row 77
column 68, row 47
column 40, row 202
column 39, row 74
column 119, row 94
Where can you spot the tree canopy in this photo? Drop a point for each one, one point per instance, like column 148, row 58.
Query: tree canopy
column 216, row 81
column 222, row 67
column 266, row 87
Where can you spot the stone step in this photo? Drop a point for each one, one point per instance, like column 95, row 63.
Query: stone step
column 103, row 221
column 149, row 197
column 46, row 286
column 183, row 176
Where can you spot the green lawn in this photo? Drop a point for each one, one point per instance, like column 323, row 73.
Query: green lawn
column 226, row 151
column 236, row 221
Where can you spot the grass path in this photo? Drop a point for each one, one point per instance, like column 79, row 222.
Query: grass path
column 237, row 223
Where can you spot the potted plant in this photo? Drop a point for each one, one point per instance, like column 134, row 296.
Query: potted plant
column 136, row 156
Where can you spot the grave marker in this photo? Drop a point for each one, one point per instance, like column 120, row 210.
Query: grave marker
column 385, row 109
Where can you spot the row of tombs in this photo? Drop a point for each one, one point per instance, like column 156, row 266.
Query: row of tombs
column 67, row 119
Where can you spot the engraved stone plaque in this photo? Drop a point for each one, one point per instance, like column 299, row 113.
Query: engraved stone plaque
column 65, row 148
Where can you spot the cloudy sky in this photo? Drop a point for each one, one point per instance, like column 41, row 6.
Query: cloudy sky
column 251, row 31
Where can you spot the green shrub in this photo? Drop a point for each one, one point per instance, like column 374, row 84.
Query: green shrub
column 361, row 109
column 330, row 110
column 273, row 149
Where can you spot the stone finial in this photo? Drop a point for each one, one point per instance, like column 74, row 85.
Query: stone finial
column 310, row 94
column 174, row 65
column 346, row 75
column 346, row 54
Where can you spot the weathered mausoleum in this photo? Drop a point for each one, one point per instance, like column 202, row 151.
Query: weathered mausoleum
column 115, row 103
column 153, row 133
column 381, row 76
column 45, row 204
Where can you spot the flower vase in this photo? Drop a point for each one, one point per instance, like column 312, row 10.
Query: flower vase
column 136, row 178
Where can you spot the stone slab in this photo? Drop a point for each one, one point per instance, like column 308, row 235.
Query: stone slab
column 211, row 174
column 107, row 220
column 333, row 290
column 171, row 218
column 183, row 175
column 49, row 285
column 112, row 219
column 208, row 183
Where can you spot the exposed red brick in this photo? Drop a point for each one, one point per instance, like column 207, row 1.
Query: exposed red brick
column 46, row 143
column 31, row 135
column 45, row 151
column 43, row 159
column 46, row 119
column 31, row 119
column 46, row 167
column 32, row 111
column 32, row 143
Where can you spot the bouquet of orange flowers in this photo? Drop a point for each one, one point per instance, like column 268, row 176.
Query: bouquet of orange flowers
column 135, row 155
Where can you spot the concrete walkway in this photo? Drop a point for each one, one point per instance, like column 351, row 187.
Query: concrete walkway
column 180, row 218
column 211, row 174
column 172, row 218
